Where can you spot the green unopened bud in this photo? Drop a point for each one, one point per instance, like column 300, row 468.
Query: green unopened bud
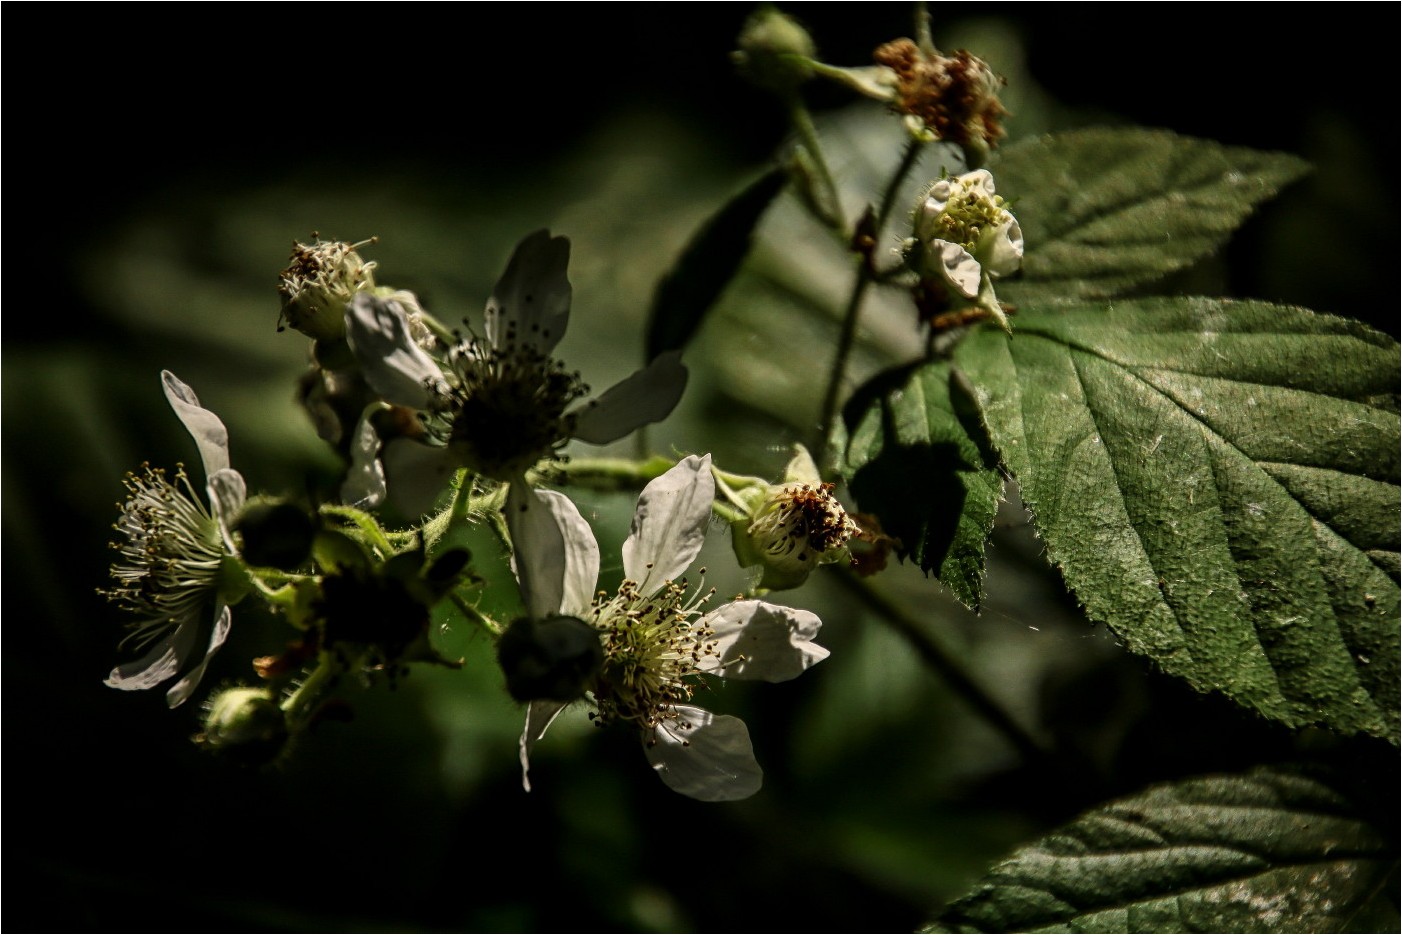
column 775, row 52
column 552, row 659
column 246, row 724
column 318, row 282
column 275, row 534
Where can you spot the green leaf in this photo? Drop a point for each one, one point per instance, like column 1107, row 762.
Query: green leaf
column 1217, row 481
column 1105, row 210
column 707, row 265
column 1271, row 850
column 919, row 460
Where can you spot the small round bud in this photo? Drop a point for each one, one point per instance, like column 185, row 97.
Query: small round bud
column 246, row 724
column 552, row 659
column 775, row 52
column 275, row 535
column 318, row 282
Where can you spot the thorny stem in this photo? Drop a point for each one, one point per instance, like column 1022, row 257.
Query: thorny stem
column 476, row 616
column 299, row 705
column 866, row 273
column 948, row 668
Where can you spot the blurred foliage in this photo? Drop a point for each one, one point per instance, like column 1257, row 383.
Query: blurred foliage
column 157, row 227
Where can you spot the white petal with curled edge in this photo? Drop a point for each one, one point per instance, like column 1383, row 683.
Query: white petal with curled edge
column 416, row 475
column 532, row 298
column 209, row 433
column 396, row 368
column 161, row 663
column 757, row 640
column 957, row 266
column 555, row 556
column 227, row 493
column 364, row 484
column 180, row 692
column 539, row 716
column 704, row 755
column 647, row 396
column 669, row 525
column 1005, row 249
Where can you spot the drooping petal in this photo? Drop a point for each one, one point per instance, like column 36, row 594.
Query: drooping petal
column 532, row 298
column 704, row 755
column 758, row 640
column 957, row 266
column 159, row 664
column 647, row 396
column 539, row 716
column 227, row 493
column 416, row 475
column 396, row 368
column 180, row 692
column 209, row 433
column 364, row 484
column 556, row 557
column 669, row 525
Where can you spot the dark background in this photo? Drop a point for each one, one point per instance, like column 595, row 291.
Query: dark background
column 126, row 119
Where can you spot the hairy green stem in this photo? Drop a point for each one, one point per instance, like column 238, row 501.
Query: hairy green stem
column 299, row 705
column 808, row 139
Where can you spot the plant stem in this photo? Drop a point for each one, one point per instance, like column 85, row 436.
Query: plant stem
column 935, row 656
column 302, row 701
column 866, row 273
column 808, row 139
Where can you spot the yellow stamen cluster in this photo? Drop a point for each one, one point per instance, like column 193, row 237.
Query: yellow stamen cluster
column 506, row 410
column 653, row 648
column 171, row 559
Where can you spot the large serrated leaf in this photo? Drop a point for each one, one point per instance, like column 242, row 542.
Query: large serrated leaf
column 1106, row 210
column 1217, row 481
column 1271, row 850
column 707, row 265
column 918, row 459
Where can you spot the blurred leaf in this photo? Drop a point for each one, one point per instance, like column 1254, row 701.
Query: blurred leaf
column 1105, row 210
column 1268, row 851
column 918, row 459
column 707, row 265
column 1218, row 481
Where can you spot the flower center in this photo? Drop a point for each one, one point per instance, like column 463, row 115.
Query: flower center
column 653, row 647
column 800, row 525
column 507, row 409
column 968, row 213
column 172, row 555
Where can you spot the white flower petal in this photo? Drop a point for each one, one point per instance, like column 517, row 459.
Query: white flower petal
column 980, row 179
column 647, row 396
column 364, row 484
column 669, row 525
column 1003, row 253
column 957, row 266
column 227, row 493
column 396, row 368
column 180, row 692
column 801, row 468
column 416, row 475
column 209, row 433
column 556, row 559
column 757, row 640
column 161, row 663
column 532, row 298
column 539, row 716
column 704, row 756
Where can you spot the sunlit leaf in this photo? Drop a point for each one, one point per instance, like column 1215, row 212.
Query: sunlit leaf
column 1105, row 210
column 1217, row 481
column 1267, row 851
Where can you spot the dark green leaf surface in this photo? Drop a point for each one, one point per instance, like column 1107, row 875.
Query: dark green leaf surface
column 917, row 459
column 1217, row 481
column 707, row 265
column 1105, row 210
column 1267, row 851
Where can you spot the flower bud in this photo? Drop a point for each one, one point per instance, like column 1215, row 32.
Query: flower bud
column 775, row 52
column 246, row 724
column 553, row 659
column 318, row 282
